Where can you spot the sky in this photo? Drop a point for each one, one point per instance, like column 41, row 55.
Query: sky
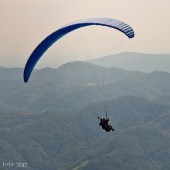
column 25, row 23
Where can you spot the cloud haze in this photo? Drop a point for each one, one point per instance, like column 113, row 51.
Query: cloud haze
column 25, row 23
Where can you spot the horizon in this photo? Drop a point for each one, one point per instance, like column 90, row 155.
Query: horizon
column 45, row 66
column 118, row 61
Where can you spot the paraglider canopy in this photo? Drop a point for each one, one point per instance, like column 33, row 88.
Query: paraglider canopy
column 52, row 38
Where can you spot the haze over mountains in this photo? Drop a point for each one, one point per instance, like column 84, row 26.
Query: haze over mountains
column 50, row 122
column 136, row 62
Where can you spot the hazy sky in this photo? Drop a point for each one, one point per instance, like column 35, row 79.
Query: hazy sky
column 24, row 23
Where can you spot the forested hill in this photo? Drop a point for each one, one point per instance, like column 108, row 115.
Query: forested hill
column 70, row 140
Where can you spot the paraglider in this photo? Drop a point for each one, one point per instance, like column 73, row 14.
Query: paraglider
column 104, row 123
column 55, row 36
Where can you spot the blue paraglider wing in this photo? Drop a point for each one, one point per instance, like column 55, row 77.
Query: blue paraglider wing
column 52, row 38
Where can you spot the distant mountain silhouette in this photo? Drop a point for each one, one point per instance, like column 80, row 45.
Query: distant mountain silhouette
column 136, row 61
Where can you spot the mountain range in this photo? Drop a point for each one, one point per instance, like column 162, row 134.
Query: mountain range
column 76, row 84
column 51, row 121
